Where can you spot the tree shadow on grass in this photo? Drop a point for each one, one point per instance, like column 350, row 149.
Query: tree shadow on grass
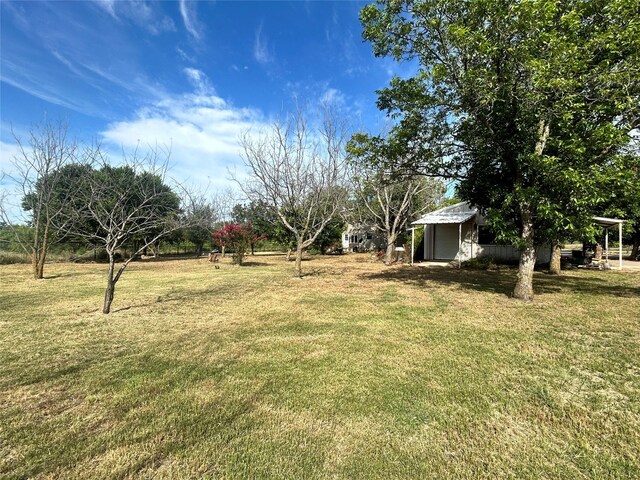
column 179, row 295
column 170, row 258
column 585, row 282
column 503, row 281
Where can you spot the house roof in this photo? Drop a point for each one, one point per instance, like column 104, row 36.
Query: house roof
column 458, row 213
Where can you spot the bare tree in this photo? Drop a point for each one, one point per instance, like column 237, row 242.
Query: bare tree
column 130, row 202
column 38, row 176
column 390, row 204
column 298, row 171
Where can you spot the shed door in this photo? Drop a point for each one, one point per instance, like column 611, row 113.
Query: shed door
column 445, row 242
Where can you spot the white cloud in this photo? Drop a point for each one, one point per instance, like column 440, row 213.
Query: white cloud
column 261, row 48
column 201, row 130
column 10, row 193
column 191, row 23
column 8, row 151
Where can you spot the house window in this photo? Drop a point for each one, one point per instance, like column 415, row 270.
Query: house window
column 369, row 236
column 485, row 235
column 346, row 237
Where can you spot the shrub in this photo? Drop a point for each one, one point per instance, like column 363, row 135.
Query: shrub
column 238, row 237
column 480, row 263
column 7, row 258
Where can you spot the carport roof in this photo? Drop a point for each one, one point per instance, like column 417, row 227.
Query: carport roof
column 607, row 222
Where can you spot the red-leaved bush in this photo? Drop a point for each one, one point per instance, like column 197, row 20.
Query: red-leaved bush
column 237, row 237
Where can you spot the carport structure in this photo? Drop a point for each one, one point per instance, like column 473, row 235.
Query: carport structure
column 607, row 223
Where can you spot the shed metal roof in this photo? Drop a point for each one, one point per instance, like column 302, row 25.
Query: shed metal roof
column 439, row 217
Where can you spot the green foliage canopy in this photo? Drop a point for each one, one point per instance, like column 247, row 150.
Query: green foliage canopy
column 526, row 103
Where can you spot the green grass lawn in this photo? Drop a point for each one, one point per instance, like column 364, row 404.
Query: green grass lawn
column 355, row 371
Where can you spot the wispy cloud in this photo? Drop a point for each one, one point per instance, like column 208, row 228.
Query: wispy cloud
column 333, row 97
column 25, row 79
column 184, row 56
column 146, row 15
column 190, row 18
column 261, row 48
column 53, row 65
column 199, row 81
column 108, row 6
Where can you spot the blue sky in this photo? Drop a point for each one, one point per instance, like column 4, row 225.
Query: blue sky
column 193, row 74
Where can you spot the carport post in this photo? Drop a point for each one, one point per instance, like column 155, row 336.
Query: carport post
column 620, row 245
column 413, row 239
column 606, row 245
column 460, row 245
column 424, row 235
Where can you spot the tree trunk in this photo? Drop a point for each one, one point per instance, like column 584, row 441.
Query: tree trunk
column 222, row 253
column 40, row 272
column 391, row 249
column 253, row 247
column 636, row 242
column 299, row 261
column 556, row 255
column 111, row 287
column 43, row 253
column 34, row 262
column 289, row 254
column 524, row 285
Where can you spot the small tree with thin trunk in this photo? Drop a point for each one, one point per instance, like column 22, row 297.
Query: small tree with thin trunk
column 125, row 203
column 38, row 173
column 239, row 237
column 297, row 171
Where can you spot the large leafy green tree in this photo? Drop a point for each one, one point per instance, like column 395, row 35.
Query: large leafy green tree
column 202, row 219
column 331, row 236
column 526, row 103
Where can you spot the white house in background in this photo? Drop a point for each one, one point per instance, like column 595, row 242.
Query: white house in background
column 362, row 238
column 459, row 232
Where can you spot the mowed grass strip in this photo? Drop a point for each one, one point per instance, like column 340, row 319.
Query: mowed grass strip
column 355, row 371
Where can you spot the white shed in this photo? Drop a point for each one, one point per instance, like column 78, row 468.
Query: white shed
column 458, row 232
